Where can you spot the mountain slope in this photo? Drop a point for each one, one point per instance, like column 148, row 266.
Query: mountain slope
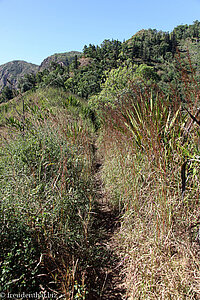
column 14, row 70
column 86, row 73
column 63, row 58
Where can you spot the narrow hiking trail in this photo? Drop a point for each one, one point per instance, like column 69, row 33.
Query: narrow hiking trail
column 107, row 276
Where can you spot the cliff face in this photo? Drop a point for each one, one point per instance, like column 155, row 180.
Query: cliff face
column 14, row 70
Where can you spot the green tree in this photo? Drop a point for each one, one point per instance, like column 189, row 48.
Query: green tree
column 147, row 73
column 28, row 82
column 115, row 85
column 6, row 94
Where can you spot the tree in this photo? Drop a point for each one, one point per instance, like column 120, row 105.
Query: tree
column 6, row 94
column 115, row 85
column 147, row 73
column 173, row 43
column 28, row 82
column 75, row 62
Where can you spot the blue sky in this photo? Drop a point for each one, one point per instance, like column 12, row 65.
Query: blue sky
column 31, row 30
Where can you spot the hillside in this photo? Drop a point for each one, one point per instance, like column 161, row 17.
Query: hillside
column 14, row 70
column 84, row 73
column 62, row 58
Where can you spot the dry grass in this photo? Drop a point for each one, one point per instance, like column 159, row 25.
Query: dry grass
column 147, row 142
column 45, row 176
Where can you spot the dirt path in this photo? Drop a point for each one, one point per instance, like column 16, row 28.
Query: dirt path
column 107, row 282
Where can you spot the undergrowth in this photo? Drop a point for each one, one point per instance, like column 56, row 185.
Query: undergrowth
column 47, row 193
column 151, row 171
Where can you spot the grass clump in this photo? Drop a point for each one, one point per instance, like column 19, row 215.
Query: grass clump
column 46, row 201
column 151, row 170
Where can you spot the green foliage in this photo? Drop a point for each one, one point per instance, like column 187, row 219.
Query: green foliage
column 107, row 54
column 85, row 82
column 151, row 165
column 79, row 107
column 147, row 73
column 55, row 76
column 19, row 255
column 118, row 82
column 149, row 45
column 188, row 31
column 115, row 85
column 46, row 193
column 6, row 94
column 154, row 50
column 26, row 83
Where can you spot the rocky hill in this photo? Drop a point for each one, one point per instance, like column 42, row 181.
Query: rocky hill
column 63, row 58
column 14, row 70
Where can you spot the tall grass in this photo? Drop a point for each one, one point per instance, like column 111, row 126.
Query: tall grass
column 151, row 170
column 46, row 200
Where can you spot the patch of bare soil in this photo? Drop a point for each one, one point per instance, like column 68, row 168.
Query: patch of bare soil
column 106, row 280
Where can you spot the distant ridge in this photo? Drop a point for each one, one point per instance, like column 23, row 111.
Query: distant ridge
column 155, row 48
column 14, row 70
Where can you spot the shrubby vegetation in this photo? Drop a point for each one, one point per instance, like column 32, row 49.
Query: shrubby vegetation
column 139, row 102
column 151, row 171
column 47, row 196
column 85, row 74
